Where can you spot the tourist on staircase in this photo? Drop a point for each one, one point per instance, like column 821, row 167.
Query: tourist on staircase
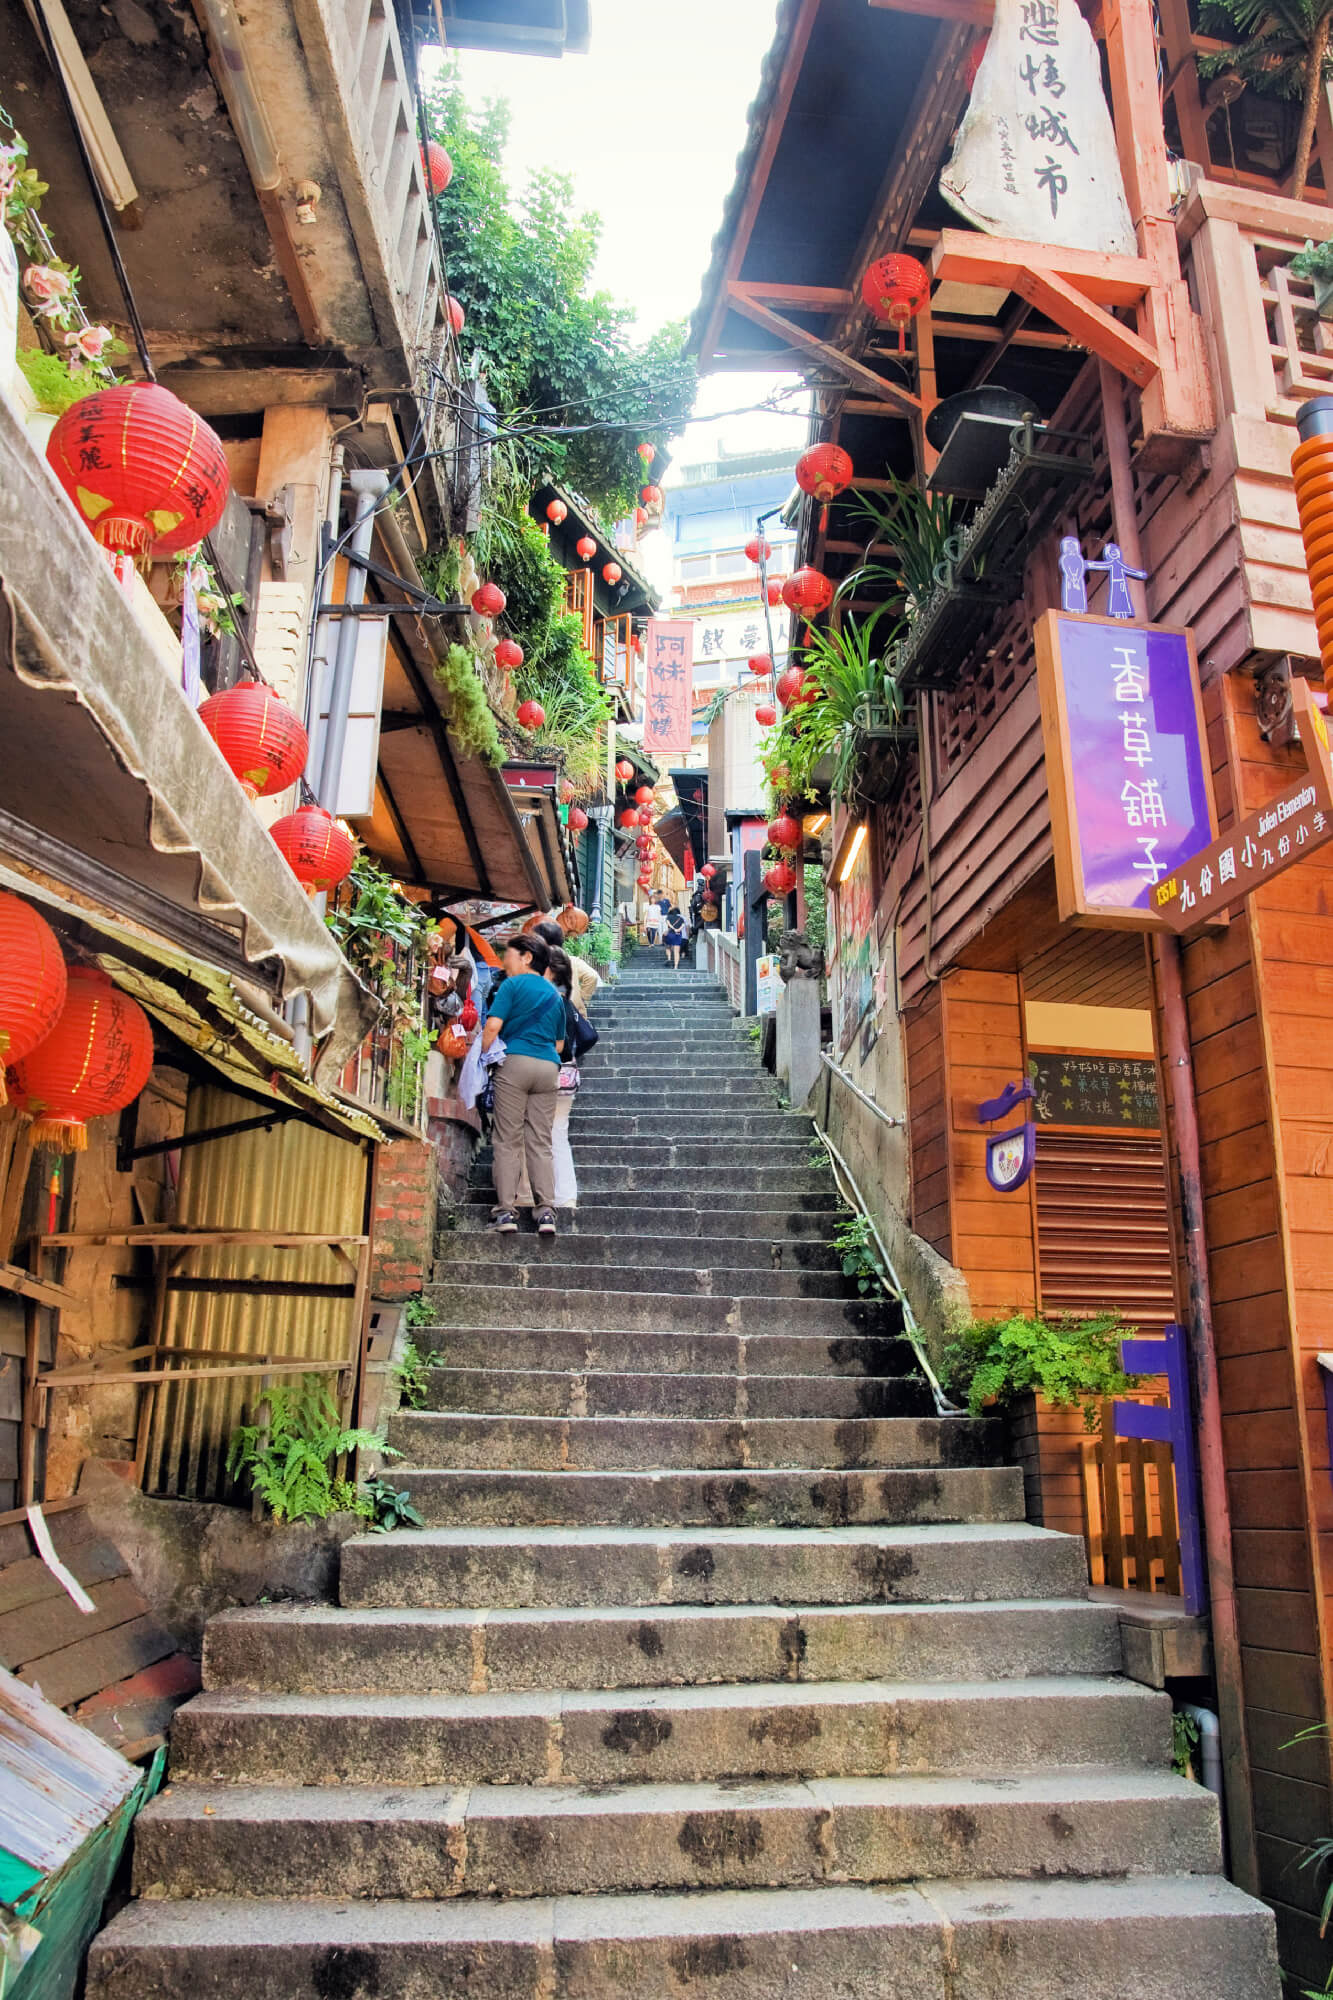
column 530, row 1014
column 675, row 936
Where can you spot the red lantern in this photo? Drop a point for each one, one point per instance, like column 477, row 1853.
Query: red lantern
column 708, row 871
column 261, row 740
column 823, row 472
column 437, row 166
column 629, row 818
column 612, row 572
column 784, row 831
column 488, row 600
column 318, row 851
column 807, row 591
column 757, row 549
column 457, row 317
column 531, row 714
column 644, row 881
column 95, row 1060
column 586, row 547
column 645, row 815
column 640, row 517
column 578, row 819
column 760, row 663
column 765, row 715
column 32, row 981
column 645, row 843
column 567, row 792
column 146, row 474
column 647, row 452
column 556, row 511
column 644, row 796
column 773, row 593
column 624, row 770
column 508, row 655
column 789, row 686
column 895, row 289
column 651, row 496
column 636, row 642
column 780, row 880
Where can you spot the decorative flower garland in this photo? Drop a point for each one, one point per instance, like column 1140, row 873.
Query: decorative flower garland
column 50, row 285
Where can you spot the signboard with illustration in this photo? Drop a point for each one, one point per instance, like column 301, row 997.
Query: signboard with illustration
column 767, row 984
column 852, row 977
column 1107, row 1093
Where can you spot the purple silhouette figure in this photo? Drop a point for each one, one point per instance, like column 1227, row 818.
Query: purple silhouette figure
column 1119, row 603
column 1073, row 575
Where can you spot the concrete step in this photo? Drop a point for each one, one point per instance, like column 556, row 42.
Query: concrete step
column 551, row 1840
column 666, row 1126
column 618, row 1241
column 606, row 1444
column 1189, row 1937
column 555, row 1262
column 329, row 1649
column 475, row 1567
column 646, row 1074
column 758, row 1155
column 758, row 1497
column 615, row 1351
column 682, row 1735
column 629, row 1215
column 591, row 1309
column 718, row 1184
column 554, row 1392
column 757, row 1093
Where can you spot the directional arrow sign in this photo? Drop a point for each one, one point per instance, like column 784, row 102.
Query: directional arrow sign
column 1292, row 825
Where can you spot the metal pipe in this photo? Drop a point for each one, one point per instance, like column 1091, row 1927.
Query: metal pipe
column 369, row 488
column 1210, row 1745
column 844, row 1076
column 231, row 64
column 319, row 651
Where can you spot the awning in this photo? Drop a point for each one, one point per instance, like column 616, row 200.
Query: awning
column 104, row 753
column 691, row 789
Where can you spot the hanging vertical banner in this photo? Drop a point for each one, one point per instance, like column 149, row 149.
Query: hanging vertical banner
column 1035, row 158
column 669, row 684
column 1126, row 763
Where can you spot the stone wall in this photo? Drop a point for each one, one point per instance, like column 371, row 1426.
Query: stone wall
column 404, row 1220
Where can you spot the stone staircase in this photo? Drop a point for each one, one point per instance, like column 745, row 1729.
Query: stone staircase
column 724, row 1665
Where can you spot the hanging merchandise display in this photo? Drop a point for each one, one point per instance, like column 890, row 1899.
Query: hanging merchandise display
column 556, row 511
column 261, row 741
column 578, row 819
column 624, row 770
column 708, row 871
column 765, row 715
column 146, row 474
column 586, row 547
column 317, row 849
column 508, row 655
column 808, row 591
column 488, row 600
column 32, row 981
column 896, row 288
column 531, row 714
column 784, row 831
column 457, row 317
column 96, row 1060
column 437, row 166
column 612, row 573
column 757, row 549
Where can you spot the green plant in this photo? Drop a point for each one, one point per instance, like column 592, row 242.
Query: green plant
column 1283, row 52
column 471, row 723
column 918, row 527
column 418, row 1312
column 1066, row 1359
column 596, row 945
column 51, row 382
column 1184, row 1742
column 389, row 1506
column 411, row 1371
column 1314, row 261
column 409, row 1056
column 290, row 1459
column 852, row 1240
column 755, row 1032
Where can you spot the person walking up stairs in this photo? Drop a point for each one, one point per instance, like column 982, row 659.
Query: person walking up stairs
column 725, row 1665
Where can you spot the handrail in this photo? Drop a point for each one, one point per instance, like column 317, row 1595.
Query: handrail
column 844, row 1076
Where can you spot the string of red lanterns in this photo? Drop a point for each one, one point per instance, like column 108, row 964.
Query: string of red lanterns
column 262, row 741
column 96, row 1058
column 508, row 655
column 765, row 715
column 896, row 288
column 531, row 714
column 586, row 547
column 624, row 770
column 316, row 847
column 32, row 981
column 556, row 511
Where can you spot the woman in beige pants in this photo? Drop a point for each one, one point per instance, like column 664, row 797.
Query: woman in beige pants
column 530, row 1014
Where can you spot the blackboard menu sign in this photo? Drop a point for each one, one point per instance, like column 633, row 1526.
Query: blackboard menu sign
column 1109, row 1092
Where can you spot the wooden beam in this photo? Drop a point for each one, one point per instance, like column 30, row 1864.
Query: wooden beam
column 996, row 260
column 14, row 1279
column 808, row 298
column 990, row 333
column 1184, row 86
column 1008, row 335
column 976, row 13
column 1091, row 327
column 902, row 400
column 773, row 128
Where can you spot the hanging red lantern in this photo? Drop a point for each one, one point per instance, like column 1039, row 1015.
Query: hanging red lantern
column 773, row 592
column 784, row 831
column 32, row 981
column 578, row 819
column 508, row 655
column 531, row 714
column 261, row 740
column 823, row 472
column 647, row 452
column 316, row 848
column 651, row 496
column 146, row 474
column 636, row 642
column 757, row 549
column 765, row 715
column 645, row 815
column 457, row 317
column 708, row 871
column 895, row 289
column 629, row 818
column 612, row 572
column 556, row 511
column 488, row 600
column 567, row 793
column 760, row 663
column 780, row 879
column 807, row 591
column 644, row 796
column 624, row 770
column 95, row 1060
column 586, row 547
column 437, row 166
column 789, row 686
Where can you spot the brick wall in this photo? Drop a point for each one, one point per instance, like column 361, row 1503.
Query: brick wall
column 404, row 1226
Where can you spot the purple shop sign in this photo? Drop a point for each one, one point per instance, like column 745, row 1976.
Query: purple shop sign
column 1126, row 762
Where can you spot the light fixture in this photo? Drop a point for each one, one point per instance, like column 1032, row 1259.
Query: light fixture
column 235, row 79
column 857, row 843
column 817, row 824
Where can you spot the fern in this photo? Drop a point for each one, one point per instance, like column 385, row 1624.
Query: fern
column 290, row 1460
column 1066, row 1359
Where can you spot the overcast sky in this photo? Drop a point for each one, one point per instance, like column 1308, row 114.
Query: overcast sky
column 648, row 126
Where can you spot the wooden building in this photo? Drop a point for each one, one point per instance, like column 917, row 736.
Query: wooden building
column 1165, row 386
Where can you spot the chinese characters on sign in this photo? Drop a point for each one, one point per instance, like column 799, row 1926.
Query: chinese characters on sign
column 1035, row 158
column 1126, row 762
column 1292, row 825
column 668, row 687
column 1109, row 1092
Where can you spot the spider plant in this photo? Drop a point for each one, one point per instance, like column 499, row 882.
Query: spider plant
column 918, row 527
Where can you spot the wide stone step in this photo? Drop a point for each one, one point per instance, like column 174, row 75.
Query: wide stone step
column 758, row 1497
column 550, row 1840
column 660, row 1127
column 646, row 1074
column 680, row 1735
column 607, row 1444
column 1175, row 1937
column 588, row 1309
column 757, row 1093
column 759, row 1155
column 616, row 1351
column 618, row 1243
column 543, row 1262
column 475, row 1567
column 625, row 1215
column 554, row 1392
column 718, row 1185
column 331, row 1649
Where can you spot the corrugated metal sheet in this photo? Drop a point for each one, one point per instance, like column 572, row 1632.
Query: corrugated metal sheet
column 58, row 1782
column 293, row 1177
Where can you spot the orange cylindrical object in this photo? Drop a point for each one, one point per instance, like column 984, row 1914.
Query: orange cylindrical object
column 1312, row 470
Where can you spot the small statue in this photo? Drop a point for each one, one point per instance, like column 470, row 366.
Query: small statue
column 798, row 958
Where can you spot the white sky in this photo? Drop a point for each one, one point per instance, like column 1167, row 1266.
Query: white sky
column 648, row 126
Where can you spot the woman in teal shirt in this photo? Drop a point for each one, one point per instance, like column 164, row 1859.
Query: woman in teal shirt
column 530, row 1014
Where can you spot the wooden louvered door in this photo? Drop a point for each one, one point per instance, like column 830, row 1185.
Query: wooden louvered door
column 1103, row 1229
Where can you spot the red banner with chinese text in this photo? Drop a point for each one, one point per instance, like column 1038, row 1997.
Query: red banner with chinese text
column 668, row 685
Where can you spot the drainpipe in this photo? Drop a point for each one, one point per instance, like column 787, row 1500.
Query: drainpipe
column 1202, row 1347
column 369, row 488
column 1210, row 1745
